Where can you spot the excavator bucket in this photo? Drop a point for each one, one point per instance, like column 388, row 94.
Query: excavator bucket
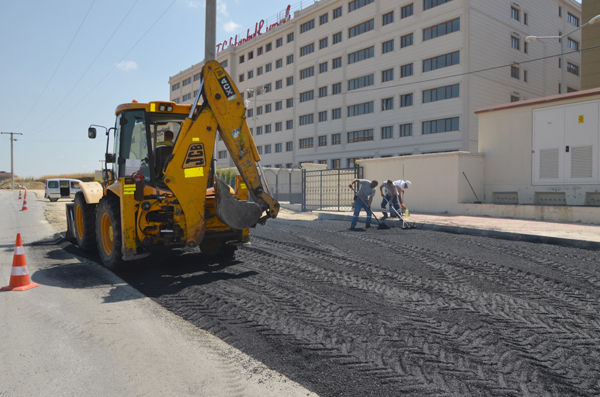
column 236, row 214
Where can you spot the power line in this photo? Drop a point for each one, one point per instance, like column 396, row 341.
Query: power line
column 57, row 66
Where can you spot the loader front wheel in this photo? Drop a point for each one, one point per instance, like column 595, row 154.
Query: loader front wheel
column 85, row 219
column 108, row 231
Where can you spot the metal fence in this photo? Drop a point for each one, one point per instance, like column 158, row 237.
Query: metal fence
column 327, row 190
column 285, row 184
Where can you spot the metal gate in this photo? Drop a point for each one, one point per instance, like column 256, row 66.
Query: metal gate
column 327, row 190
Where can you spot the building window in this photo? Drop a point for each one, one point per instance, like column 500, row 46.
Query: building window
column 442, row 125
column 305, row 27
column 278, row 105
column 224, row 64
column 356, row 4
column 323, row 19
column 259, row 110
column 361, row 82
column 387, row 104
column 337, row 63
column 323, row 116
column 322, row 92
column 222, row 154
column 406, row 100
column 387, row 132
column 406, row 41
column 336, row 139
column 307, row 119
column 323, row 43
column 250, row 55
column 290, row 37
column 250, row 112
column 360, row 109
column 306, row 143
column 290, row 59
column 268, row 108
column 573, row 44
column 434, row 3
column 388, row 46
column 387, row 75
column 289, row 103
column 441, row 93
column 406, row 70
column 267, row 149
column 177, row 86
column 361, row 55
column 387, row 18
column 336, row 88
column 525, row 19
column 441, row 61
column 525, row 47
column 289, row 146
column 278, row 63
column 268, row 47
column 268, row 67
column 259, row 149
column 407, row 11
column 337, row 38
column 360, row 136
column 514, row 43
column 572, row 68
column 323, row 140
column 569, row 89
column 307, row 96
column 241, row 59
column 278, row 126
column 279, row 42
column 289, row 81
column 335, row 164
column 187, row 81
column 250, row 74
column 308, row 72
column 361, row 28
column 289, row 124
column 572, row 19
column 259, row 51
column 268, row 129
column 278, row 148
column 441, row 29
column 259, row 71
column 176, row 100
column 514, row 98
column 187, row 97
column 405, row 130
column 336, row 114
column 525, row 76
column 197, row 76
column 323, row 67
column 307, row 49
column 337, row 13
column 560, row 11
column 278, row 84
column 514, row 72
column 514, row 13
column 259, row 130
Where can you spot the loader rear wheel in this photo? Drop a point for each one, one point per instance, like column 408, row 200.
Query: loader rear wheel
column 108, row 231
column 85, row 219
column 213, row 247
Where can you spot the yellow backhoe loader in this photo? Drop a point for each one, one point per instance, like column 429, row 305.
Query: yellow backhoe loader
column 164, row 193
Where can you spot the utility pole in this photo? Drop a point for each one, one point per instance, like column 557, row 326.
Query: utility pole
column 12, row 162
column 210, row 38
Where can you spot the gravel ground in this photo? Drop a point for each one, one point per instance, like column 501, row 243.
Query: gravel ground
column 394, row 312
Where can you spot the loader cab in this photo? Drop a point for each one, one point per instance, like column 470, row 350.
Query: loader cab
column 139, row 143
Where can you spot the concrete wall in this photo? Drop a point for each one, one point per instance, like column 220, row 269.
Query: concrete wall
column 438, row 183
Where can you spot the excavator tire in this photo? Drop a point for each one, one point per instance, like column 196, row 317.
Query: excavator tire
column 85, row 219
column 108, row 231
column 216, row 248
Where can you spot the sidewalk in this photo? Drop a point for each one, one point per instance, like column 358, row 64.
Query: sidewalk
column 565, row 234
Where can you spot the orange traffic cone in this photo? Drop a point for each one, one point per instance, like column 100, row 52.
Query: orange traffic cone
column 25, row 208
column 20, row 195
column 19, row 276
column 25, row 196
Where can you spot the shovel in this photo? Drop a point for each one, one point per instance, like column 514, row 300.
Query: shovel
column 405, row 224
column 382, row 226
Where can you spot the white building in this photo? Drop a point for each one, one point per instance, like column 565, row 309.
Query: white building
column 379, row 78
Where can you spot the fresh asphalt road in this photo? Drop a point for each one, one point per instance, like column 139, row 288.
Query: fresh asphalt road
column 83, row 331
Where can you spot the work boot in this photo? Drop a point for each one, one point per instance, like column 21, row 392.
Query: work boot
column 385, row 215
column 367, row 226
column 352, row 227
column 394, row 215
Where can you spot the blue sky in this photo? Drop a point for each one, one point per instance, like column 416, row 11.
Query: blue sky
column 68, row 64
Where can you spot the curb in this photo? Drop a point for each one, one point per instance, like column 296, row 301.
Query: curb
column 530, row 238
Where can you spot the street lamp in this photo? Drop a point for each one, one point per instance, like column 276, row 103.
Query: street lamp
column 256, row 91
column 529, row 39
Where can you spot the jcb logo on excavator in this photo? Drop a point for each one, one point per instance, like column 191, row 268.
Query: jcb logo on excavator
column 195, row 156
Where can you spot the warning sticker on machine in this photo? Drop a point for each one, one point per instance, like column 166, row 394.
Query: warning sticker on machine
column 225, row 84
column 195, row 156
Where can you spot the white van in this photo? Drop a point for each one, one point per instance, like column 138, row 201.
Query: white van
column 61, row 188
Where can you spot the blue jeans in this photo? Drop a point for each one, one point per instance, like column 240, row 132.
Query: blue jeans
column 358, row 205
column 387, row 200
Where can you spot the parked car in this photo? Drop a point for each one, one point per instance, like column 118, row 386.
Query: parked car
column 61, row 189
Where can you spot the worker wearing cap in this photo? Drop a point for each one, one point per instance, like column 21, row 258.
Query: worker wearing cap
column 365, row 194
column 390, row 197
column 400, row 185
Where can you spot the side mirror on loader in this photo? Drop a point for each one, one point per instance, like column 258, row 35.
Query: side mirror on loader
column 109, row 158
column 92, row 133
